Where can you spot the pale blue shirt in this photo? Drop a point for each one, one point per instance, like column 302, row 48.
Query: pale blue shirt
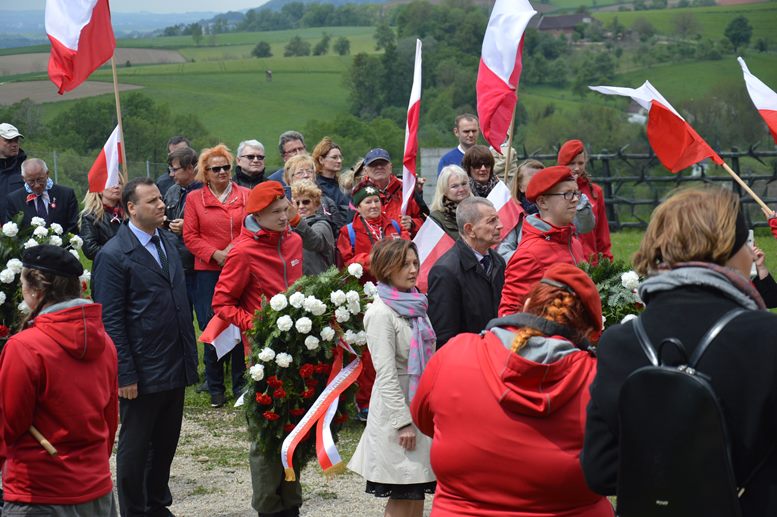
column 145, row 241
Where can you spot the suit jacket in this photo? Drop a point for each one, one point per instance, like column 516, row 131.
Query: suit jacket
column 146, row 313
column 63, row 207
column 462, row 297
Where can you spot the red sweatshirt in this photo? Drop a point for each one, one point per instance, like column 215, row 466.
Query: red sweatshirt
column 360, row 252
column 59, row 375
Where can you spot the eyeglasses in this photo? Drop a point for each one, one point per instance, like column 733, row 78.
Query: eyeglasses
column 568, row 196
column 296, row 150
column 37, row 181
column 252, row 157
column 480, row 166
column 456, row 186
column 302, row 202
column 173, row 169
column 219, row 168
column 302, row 173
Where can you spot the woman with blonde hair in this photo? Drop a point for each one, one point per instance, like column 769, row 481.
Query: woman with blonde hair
column 100, row 219
column 302, row 168
column 315, row 228
column 452, row 188
column 328, row 158
column 213, row 218
column 697, row 261
column 504, row 407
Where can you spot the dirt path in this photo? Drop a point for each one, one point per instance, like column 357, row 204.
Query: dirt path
column 210, row 476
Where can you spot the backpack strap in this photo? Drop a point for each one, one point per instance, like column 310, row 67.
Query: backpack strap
column 396, row 227
column 711, row 334
column 352, row 237
column 644, row 341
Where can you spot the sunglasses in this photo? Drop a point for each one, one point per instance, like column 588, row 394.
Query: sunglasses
column 219, row 168
column 252, row 157
column 302, row 202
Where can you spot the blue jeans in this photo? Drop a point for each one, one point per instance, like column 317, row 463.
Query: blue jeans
column 214, row 367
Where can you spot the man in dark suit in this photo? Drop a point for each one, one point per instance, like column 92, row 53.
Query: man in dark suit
column 139, row 280
column 465, row 284
column 11, row 158
column 40, row 197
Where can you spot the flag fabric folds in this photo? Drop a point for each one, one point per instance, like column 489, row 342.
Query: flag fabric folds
column 411, row 132
column 506, row 207
column 81, row 40
column 105, row 169
column 432, row 243
column 500, row 68
column 221, row 334
column 764, row 98
column 674, row 141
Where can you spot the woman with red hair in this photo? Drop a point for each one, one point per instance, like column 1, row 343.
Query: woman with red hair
column 506, row 408
column 573, row 155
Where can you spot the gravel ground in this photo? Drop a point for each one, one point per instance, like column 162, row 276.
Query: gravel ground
column 210, row 476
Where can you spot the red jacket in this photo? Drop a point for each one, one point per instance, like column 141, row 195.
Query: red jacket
column 542, row 245
column 209, row 226
column 361, row 251
column 597, row 240
column 59, row 375
column 391, row 198
column 261, row 263
column 507, row 432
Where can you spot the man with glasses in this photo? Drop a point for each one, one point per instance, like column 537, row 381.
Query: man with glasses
column 39, row 197
column 250, row 164
column 290, row 144
column 165, row 180
column 549, row 237
column 11, row 158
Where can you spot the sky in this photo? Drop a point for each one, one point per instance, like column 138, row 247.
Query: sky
column 154, row 6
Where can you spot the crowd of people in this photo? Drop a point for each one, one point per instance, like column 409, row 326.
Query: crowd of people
column 492, row 390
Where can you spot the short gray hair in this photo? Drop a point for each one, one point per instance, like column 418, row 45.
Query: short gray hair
column 288, row 136
column 34, row 161
column 468, row 211
column 249, row 143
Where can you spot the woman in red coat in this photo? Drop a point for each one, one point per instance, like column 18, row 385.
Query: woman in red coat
column 573, row 155
column 354, row 244
column 506, row 409
column 212, row 219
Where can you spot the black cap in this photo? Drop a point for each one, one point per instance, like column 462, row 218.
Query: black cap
column 52, row 259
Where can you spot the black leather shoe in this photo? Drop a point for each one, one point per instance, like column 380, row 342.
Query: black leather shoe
column 217, row 400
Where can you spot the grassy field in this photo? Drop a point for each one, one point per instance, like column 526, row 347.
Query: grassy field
column 712, row 20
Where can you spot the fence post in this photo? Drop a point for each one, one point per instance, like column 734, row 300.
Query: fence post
column 612, row 216
column 735, row 167
column 148, row 169
column 56, row 167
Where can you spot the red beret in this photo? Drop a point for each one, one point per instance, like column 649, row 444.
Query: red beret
column 263, row 195
column 546, row 179
column 569, row 150
column 574, row 278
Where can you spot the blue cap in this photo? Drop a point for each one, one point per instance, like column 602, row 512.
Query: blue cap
column 375, row 155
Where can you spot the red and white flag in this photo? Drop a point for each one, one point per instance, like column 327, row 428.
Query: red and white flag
column 506, row 207
column 411, row 132
column 81, row 40
column 764, row 98
column 500, row 68
column 674, row 141
column 432, row 243
column 222, row 335
column 104, row 173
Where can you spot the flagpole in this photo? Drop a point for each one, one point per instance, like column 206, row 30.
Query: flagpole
column 744, row 185
column 118, row 118
column 508, row 156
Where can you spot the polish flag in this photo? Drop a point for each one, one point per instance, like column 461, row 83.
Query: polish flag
column 506, row 207
column 764, row 98
column 222, row 335
column 500, row 68
column 411, row 132
column 104, row 173
column 81, row 40
column 674, row 141
column 432, row 243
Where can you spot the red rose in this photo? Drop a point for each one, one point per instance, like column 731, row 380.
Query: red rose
column 280, row 393
column 4, row 331
column 307, row 370
column 288, row 428
column 263, row 399
column 311, row 383
column 308, row 393
column 323, row 368
column 297, row 412
column 271, row 416
column 274, row 382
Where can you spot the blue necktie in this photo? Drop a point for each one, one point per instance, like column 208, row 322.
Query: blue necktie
column 486, row 263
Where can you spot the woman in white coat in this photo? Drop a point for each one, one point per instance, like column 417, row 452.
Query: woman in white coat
column 392, row 455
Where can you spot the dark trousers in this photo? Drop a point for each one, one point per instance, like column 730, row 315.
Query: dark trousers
column 150, row 426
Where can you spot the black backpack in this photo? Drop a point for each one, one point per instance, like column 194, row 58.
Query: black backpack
column 675, row 459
